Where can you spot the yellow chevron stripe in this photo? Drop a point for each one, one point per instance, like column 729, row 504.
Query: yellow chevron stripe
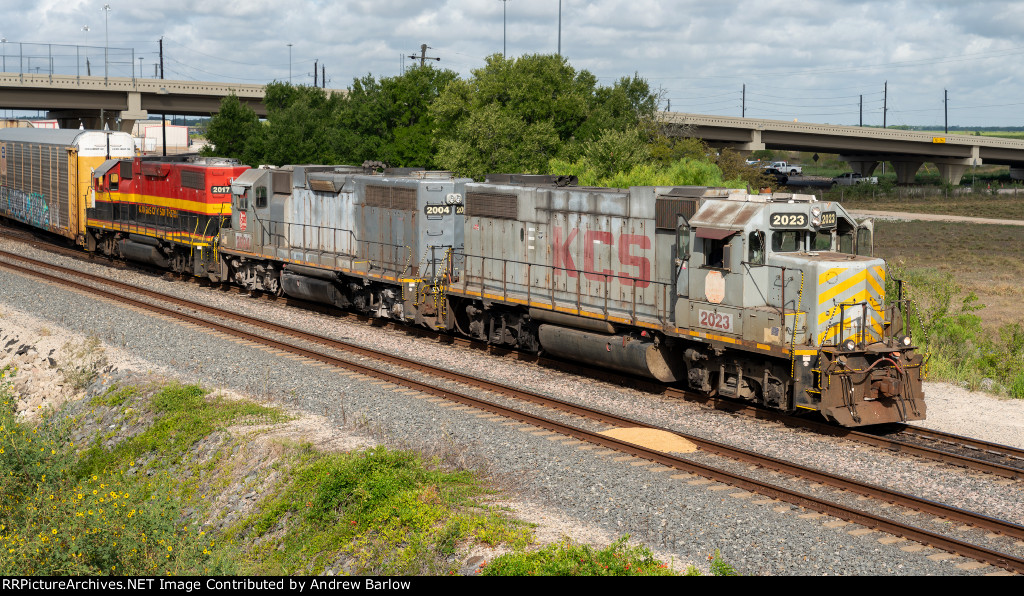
column 831, row 273
column 842, row 287
column 878, row 285
column 874, row 323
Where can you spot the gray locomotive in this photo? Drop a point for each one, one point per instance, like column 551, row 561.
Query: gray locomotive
column 769, row 298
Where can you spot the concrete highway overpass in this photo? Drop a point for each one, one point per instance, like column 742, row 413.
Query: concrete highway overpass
column 93, row 101
column 863, row 148
column 118, row 101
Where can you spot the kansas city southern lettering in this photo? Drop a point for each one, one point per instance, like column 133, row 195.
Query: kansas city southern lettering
column 563, row 260
column 154, row 210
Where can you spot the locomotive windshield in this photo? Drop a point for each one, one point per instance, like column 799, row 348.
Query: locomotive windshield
column 789, row 240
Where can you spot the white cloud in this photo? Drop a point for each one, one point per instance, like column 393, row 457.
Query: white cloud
column 807, row 60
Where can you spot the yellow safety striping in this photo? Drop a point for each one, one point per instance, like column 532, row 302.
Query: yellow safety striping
column 830, row 274
column 842, row 287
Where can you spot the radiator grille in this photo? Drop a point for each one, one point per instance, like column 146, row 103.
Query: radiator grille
column 492, row 204
column 194, row 180
column 666, row 210
column 390, row 197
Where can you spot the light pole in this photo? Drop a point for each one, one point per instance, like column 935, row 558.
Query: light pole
column 86, row 29
column 140, row 66
column 559, row 28
column 289, row 64
column 3, row 41
column 504, row 28
column 106, row 42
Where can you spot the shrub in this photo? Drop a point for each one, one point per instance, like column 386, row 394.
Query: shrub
column 55, row 520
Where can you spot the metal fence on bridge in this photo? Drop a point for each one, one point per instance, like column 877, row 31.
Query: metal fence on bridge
column 71, row 60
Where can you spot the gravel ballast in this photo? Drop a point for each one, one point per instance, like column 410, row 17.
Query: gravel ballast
column 588, row 494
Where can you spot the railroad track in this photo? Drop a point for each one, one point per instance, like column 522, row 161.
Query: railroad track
column 955, row 450
column 318, row 348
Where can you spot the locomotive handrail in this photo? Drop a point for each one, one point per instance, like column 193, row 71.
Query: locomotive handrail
column 364, row 249
column 662, row 311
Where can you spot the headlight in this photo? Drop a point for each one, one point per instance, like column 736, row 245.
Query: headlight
column 816, row 211
column 904, row 340
column 816, row 222
column 849, row 345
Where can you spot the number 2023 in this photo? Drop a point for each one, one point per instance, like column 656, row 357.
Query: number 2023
column 715, row 320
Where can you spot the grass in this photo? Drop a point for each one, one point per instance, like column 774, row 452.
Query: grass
column 966, row 280
column 566, row 559
column 160, row 501
column 379, row 512
column 986, row 260
column 979, row 204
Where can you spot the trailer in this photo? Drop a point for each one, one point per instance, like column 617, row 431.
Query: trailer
column 45, row 175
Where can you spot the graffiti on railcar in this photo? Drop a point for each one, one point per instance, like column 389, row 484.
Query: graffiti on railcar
column 31, row 208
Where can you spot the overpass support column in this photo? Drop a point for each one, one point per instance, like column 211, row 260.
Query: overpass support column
column 906, row 171
column 133, row 113
column 951, row 172
column 863, row 165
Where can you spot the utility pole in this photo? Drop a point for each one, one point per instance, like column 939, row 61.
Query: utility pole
column 163, row 116
column 323, row 76
column 885, row 105
column 316, row 66
column 559, row 28
column 423, row 55
column 945, row 103
column 504, row 28
column 862, row 110
column 743, row 112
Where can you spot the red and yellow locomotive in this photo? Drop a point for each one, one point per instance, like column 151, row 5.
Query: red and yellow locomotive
column 163, row 211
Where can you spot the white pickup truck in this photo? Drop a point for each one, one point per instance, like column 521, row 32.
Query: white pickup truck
column 787, row 168
column 851, row 178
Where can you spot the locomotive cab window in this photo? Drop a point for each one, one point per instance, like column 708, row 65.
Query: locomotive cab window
column 241, row 201
column 683, row 240
column 113, row 182
column 717, row 248
column 788, row 241
column 864, row 242
column 755, row 243
column 822, row 241
column 261, row 197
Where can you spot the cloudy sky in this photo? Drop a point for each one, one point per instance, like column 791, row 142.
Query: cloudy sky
column 799, row 59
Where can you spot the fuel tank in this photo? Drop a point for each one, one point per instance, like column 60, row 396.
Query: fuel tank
column 312, row 289
column 617, row 352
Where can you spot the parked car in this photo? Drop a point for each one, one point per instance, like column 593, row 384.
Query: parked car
column 781, row 179
column 851, row 178
column 787, row 168
column 753, row 162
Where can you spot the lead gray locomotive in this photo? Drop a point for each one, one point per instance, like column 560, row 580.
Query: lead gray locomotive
column 769, row 298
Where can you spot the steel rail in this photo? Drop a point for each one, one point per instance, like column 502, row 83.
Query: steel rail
column 889, row 443
column 843, row 512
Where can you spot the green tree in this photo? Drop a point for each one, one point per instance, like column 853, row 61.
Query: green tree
column 389, row 120
column 230, row 128
column 514, row 115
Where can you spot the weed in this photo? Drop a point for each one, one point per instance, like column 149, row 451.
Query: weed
column 946, row 323
column 568, row 559
column 82, row 363
column 56, row 520
column 382, row 511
